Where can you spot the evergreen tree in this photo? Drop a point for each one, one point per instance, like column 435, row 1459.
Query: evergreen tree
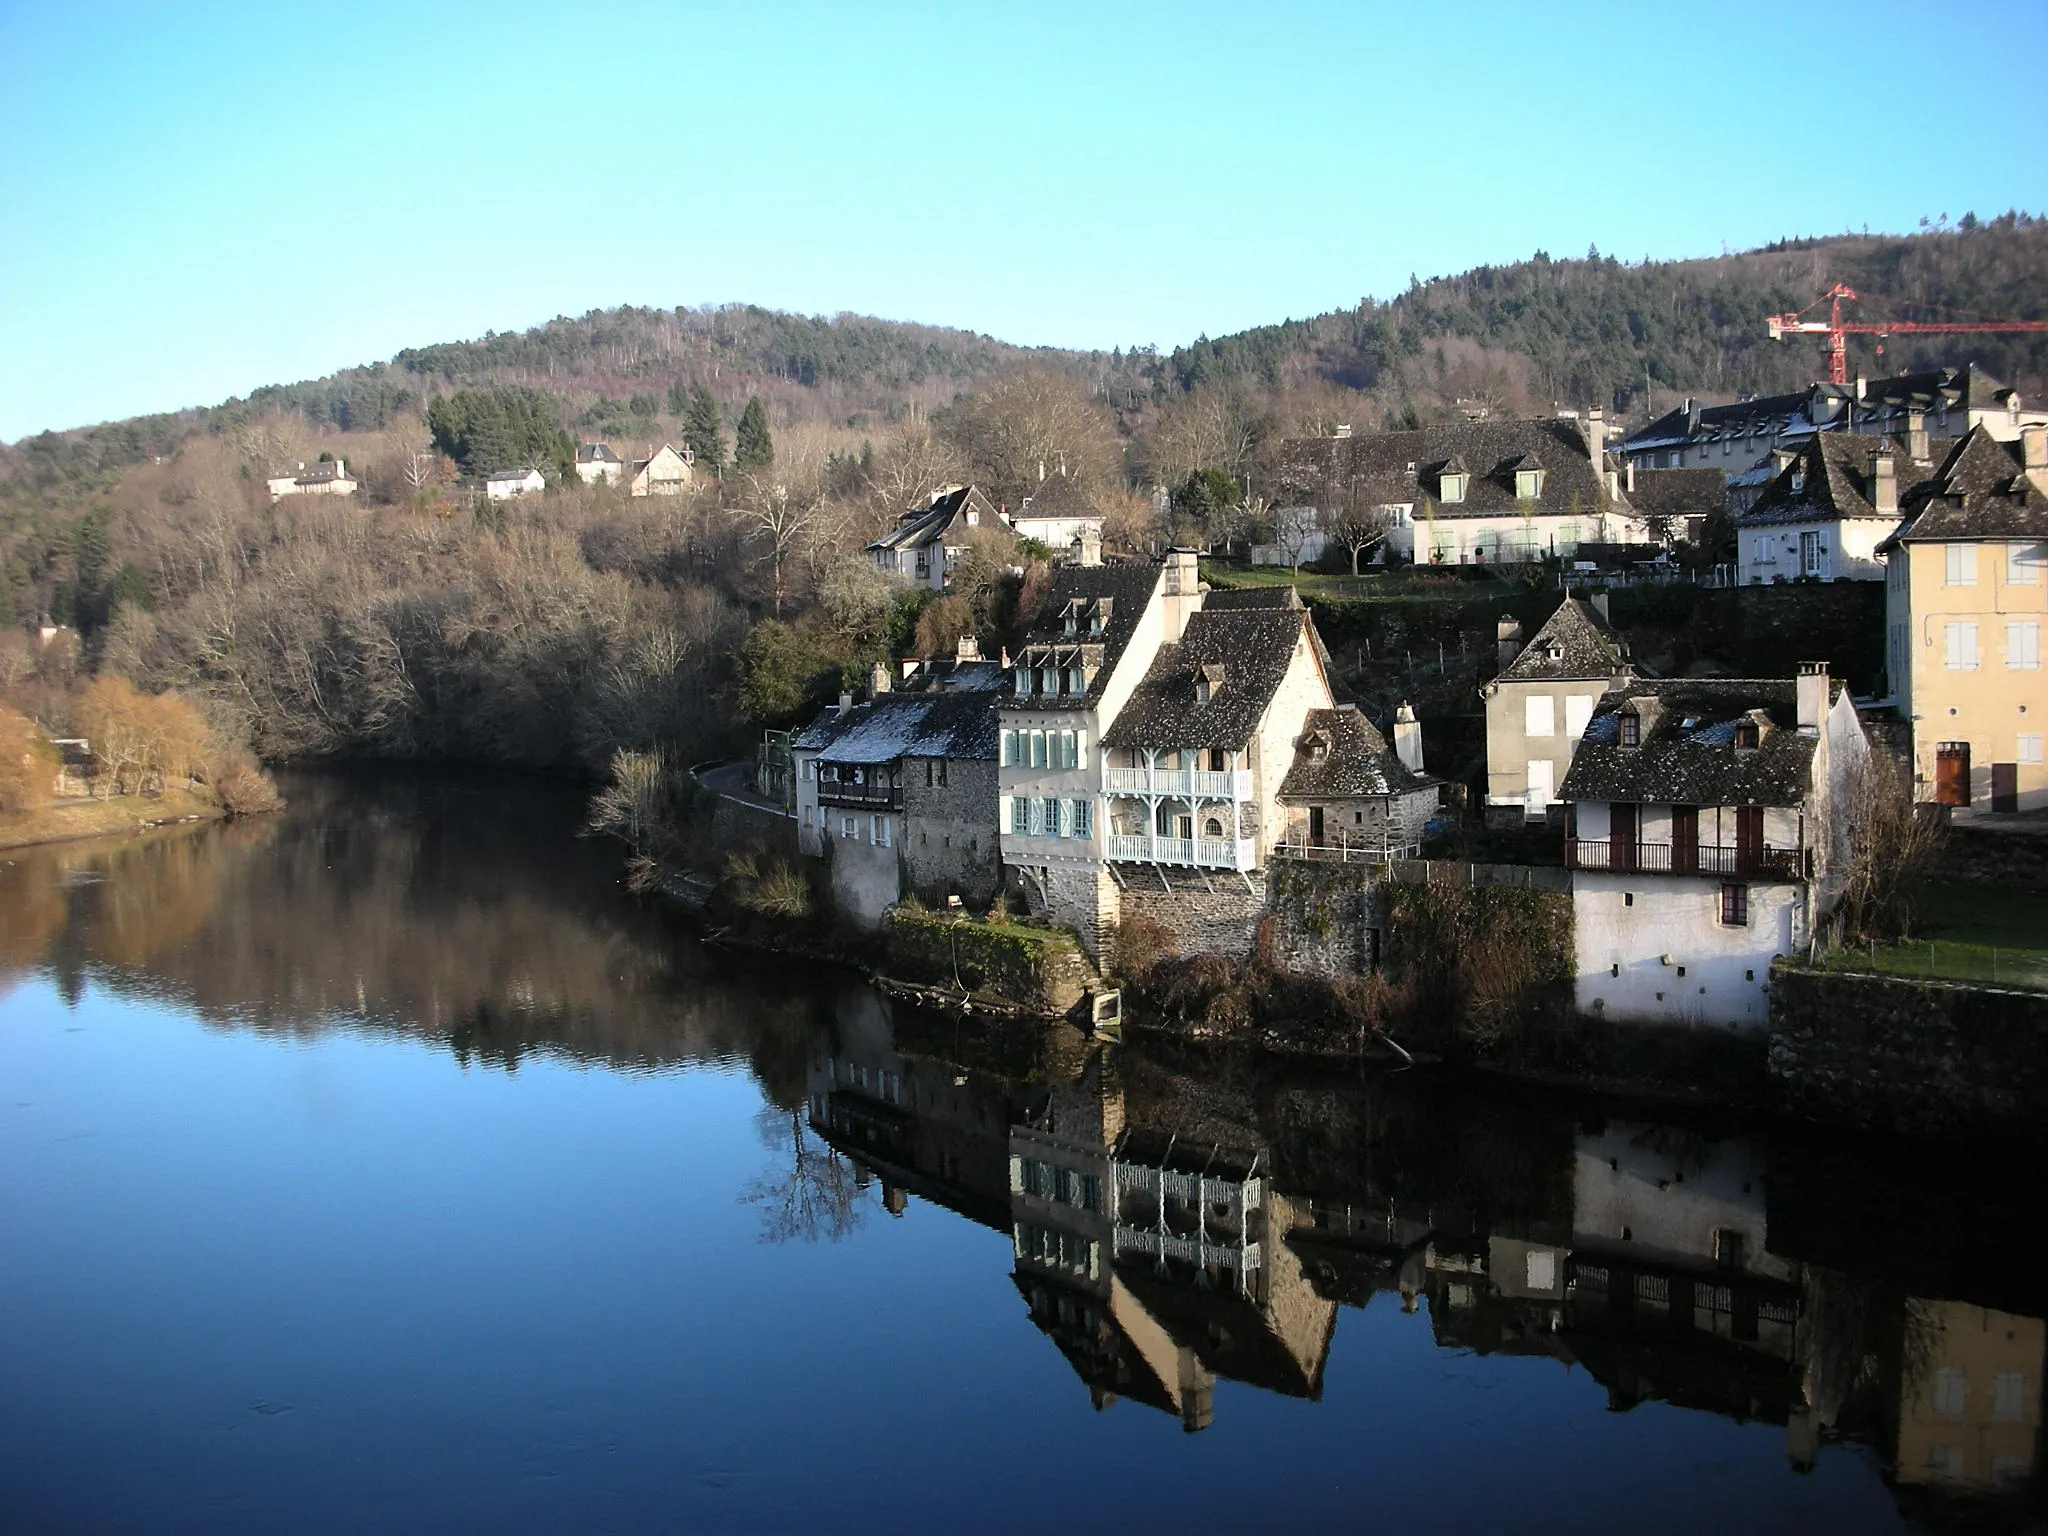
column 704, row 429
column 678, row 398
column 753, row 448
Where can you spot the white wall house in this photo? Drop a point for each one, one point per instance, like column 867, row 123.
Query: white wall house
column 928, row 540
column 1707, row 836
column 329, row 477
column 1058, row 515
column 1823, row 515
column 596, row 463
column 508, row 483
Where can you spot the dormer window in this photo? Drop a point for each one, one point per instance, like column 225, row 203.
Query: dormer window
column 1528, row 484
column 1049, row 680
column 1451, row 487
column 1077, row 681
column 1073, row 625
column 1207, row 681
column 1201, row 690
column 1631, row 729
column 1798, row 480
column 1023, row 682
column 1095, row 622
column 1746, row 736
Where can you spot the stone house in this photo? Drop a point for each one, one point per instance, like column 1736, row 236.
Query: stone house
column 927, row 541
column 1471, row 492
column 329, row 477
column 597, row 464
column 1966, row 598
column 505, row 484
column 667, row 471
column 1824, row 513
column 1348, row 794
column 1707, row 832
column 1538, row 706
column 898, row 793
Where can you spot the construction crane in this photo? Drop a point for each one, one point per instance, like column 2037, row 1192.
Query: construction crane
column 1837, row 330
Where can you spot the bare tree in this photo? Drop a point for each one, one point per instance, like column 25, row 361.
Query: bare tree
column 1354, row 525
column 817, row 1195
column 777, row 511
column 1893, row 845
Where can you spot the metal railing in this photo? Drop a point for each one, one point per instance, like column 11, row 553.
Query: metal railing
column 1230, row 784
column 1763, row 862
column 1342, row 852
column 1197, row 852
column 1189, row 1250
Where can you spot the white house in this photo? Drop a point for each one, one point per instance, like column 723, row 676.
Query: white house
column 596, row 462
column 1058, row 515
column 1465, row 493
column 504, row 484
column 1823, row 515
column 329, row 477
column 1708, row 835
column 927, row 541
column 665, row 472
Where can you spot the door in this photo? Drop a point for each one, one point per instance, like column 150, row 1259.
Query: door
column 1749, row 838
column 1621, row 824
column 1315, row 826
column 1685, row 839
column 2005, row 786
column 1809, row 554
column 1952, row 773
column 1538, row 798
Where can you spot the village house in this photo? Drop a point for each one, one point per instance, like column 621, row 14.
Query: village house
column 1966, row 596
column 505, row 484
column 1707, row 833
column 1539, row 705
column 926, row 541
column 1059, row 516
column 1675, row 503
column 665, row 472
column 1467, row 493
column 595, row 463
column 328, row 477
column 898, row 793
column 1823, row 515
column 1348, row 794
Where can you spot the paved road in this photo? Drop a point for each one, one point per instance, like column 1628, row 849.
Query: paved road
column 735, row 781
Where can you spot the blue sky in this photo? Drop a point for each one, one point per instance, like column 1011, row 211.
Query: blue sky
column 199, row 199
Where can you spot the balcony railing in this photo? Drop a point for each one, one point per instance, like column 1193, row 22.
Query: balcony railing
column 1195, row 852
column 1759, row 863
column 1188, row 783
column 1381, row 852
column 877, row 796
column 1189, row 1250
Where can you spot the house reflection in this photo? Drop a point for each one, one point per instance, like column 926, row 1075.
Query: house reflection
column 1174, row 1228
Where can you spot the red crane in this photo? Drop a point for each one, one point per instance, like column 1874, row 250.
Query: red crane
column 1837, row 330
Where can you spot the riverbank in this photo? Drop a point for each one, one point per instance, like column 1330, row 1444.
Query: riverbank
column 69, row 820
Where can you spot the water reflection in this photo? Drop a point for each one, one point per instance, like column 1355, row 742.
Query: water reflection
column 1172, row 1226
column 1172, row 1223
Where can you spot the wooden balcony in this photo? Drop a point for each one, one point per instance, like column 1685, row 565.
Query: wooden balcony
column 1762, row 862
column 874, row 797
column 1179, row 783
column 1192, row 852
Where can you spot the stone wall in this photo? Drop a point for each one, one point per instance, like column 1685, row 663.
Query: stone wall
column 1036, row 967
column 1082, row 897
column 1216, row 916
column 1761, row 631
column 1327, row 918
column 1925, row 1057
column 950, row 841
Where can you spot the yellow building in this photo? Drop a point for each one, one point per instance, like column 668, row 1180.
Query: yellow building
column 1966, row 599
column 1969, row 1401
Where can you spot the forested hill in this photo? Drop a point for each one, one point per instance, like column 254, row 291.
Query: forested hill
column 1597, row 329
column 611, row 372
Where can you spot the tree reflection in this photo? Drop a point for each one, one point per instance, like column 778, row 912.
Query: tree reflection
column 810, row 1191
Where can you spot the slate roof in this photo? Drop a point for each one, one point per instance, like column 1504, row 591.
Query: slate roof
column 1835, row 483
column 1585, row 646
column 1687, row 755
column 1128, row 587
column 596, row 453
column 1252, row 647
column 511, row 474
column 1981, row 491
column 1766, row 415
column 1358, row 764
column 954, row 724
column 1234, row 598
column 1678, row 493
column 1400, row 468
column 930, row 523
column 1824, row 408
column 316, row 474
column 1056, row 496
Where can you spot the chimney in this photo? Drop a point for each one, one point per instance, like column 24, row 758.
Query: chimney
column 2034, row 455
column 1884, row 484
column 909, row 667
column 1344, row 429
column 1507, row 641
column 1916, row 435
column 1090, row 546
column 1862, row 385
column 969, row 649
column 878, row 680
column 1596, row 438
column 1628, row 477
column 1813, row 694
column 1408, row 739
column 845, row 702
column 1599, row 601
column 1692, row 416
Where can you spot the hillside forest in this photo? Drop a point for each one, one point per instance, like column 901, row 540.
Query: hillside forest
column 415, row 620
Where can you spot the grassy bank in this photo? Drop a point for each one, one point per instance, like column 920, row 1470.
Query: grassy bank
column 119, row 817
column 1972, row 933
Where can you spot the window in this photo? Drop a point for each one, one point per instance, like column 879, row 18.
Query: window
column 1951, row 1390
column 2029, row 748
column 807, row 816
column 1959, row 565
column 942, row 773
column 2022, row 645
column 2022, row 566
column 930, row 773
column 1528, row 484
column 1961, row 640
column 1809, row 554
column 1077, row 681
column 846, row 827
column 1009, row 756
column 1038, row 749
column 1728, row 1248
column 1631, row 729
column 1080, row 818
column 1539, row 715
column 1451, row 488
column 1212, row 828
column 1023, row 682
column 1577, row 711
column 1020, row 816
column 1064, row 757
column 1735, row 906
column 880, row 832
column 2009, row 1396
column 1746, row 736
column 1050, row 817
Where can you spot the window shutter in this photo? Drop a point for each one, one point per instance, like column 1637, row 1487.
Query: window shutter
column 1080, row 749
column 1962, row 647
column 2022, row 645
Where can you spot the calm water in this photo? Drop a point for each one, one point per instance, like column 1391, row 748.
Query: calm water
column 385, row 1167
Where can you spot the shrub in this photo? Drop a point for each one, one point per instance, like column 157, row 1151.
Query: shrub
column 28, row 764
column 243, row 788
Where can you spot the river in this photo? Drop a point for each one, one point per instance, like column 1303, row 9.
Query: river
column 385, row 1165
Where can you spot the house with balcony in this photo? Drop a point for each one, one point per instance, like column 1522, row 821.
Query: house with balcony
column 897, row 793
column 1966, row 600
column 1824, row 513
column 1193, row 765
column 928, row 540
column 1539, row 705
column 1349, row 796
column 1707, row 833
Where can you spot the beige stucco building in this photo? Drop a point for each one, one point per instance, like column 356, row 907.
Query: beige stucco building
column 665, row 472
column 1966, row 599
column 1538, row 707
